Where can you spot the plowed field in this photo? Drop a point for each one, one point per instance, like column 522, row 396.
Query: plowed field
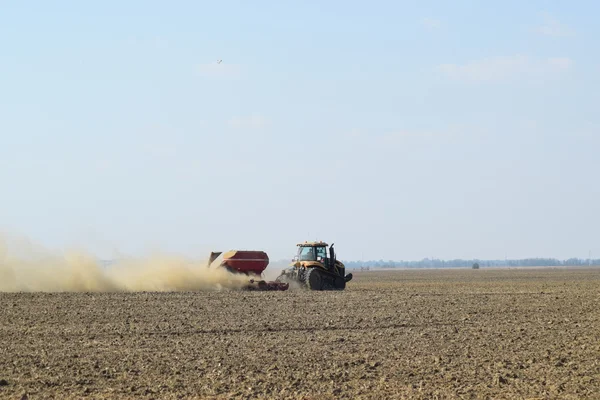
column 518, row 333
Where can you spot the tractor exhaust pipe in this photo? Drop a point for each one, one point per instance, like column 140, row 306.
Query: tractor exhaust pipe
column 332, row 257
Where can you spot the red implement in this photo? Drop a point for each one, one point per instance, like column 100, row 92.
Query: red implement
column 264, row 285
column 248, row 262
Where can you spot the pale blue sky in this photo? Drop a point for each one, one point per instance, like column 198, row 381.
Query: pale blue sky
column 399, row 131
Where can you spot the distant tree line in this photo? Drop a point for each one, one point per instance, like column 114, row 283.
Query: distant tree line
column 459, row 263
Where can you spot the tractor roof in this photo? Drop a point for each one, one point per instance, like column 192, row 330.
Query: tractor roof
column 313, row 244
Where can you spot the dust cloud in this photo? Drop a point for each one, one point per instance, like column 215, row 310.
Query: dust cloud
column 25, row 267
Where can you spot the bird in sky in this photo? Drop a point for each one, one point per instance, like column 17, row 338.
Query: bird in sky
column 219, row 61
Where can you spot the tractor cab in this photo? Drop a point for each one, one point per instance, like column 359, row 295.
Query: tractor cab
column 311, row 252
column 316, row 252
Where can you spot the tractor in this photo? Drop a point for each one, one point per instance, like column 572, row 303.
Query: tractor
column 316, row 268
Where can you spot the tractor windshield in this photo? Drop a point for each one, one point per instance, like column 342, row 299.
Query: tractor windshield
column 311, row 253
column 307, row 254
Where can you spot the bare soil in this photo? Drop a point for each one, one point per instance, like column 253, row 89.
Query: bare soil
column 471, row 334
